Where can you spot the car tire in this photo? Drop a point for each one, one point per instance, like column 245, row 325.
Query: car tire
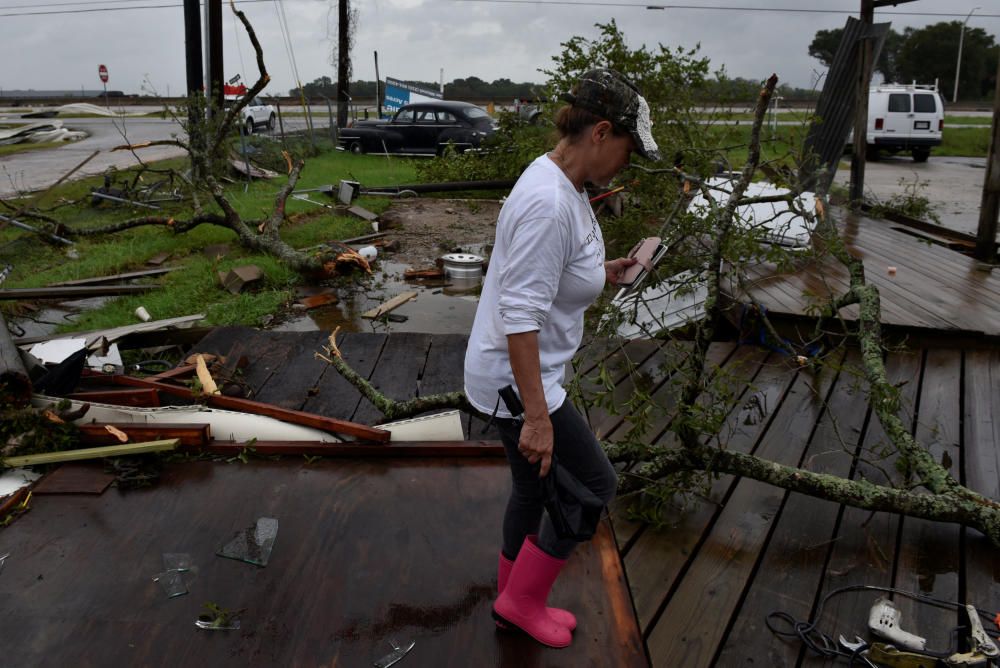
column 271, row 122
column 356, row 148
column 248, row 126
column 921, row 154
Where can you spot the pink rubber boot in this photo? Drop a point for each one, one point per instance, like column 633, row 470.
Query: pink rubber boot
column 558, row 615
column 522, row 602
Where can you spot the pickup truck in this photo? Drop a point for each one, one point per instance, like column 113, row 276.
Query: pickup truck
column 420, row 128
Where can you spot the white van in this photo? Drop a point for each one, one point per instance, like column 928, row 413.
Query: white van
column 904, row 117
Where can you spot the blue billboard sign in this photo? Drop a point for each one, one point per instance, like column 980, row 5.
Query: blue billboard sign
column 399, row 93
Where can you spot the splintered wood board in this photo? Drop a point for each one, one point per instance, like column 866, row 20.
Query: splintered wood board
column 393, row 303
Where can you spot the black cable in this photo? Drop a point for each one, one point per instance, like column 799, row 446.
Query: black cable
column 823, row 645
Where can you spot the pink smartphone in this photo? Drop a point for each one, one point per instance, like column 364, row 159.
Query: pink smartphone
column 644, row 252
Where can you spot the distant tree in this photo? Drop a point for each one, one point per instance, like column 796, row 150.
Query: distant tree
column 826, row 42
column 929, row 54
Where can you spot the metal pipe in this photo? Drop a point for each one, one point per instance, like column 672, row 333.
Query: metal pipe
column 29, row 228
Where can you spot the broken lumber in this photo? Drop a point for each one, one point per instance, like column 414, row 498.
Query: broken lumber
column 208, row 385
column 140, row 398
column 390, row 305
column 183, row 371
column 75, row 292
column 15, row 384
column 188, row 435
column 93, row 453
column 97, row 280
column 363, row 213
column 417, row 274
column 328, row 424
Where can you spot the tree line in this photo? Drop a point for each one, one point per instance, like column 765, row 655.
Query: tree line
column 928, row 54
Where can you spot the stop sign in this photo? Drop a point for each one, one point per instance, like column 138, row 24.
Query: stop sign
column 102, row 72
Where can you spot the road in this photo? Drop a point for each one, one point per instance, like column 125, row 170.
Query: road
column 35, row 170
column 953, row 186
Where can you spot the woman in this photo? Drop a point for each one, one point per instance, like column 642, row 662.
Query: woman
column 546, row 268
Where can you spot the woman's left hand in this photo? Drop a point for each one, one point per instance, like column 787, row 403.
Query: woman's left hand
column 615, row 268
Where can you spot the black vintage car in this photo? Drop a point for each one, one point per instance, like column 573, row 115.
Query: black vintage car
column 420, row 128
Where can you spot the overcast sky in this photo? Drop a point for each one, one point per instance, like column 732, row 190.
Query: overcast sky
column 416, row 38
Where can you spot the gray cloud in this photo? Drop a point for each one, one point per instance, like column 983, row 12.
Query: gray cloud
column 416, row 38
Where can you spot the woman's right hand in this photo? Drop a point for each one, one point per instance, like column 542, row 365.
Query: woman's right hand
column 536, row 442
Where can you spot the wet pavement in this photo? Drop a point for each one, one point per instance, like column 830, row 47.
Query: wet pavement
column 954, row 186
column 28, row 171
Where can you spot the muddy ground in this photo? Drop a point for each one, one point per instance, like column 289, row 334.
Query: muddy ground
column 428, row 228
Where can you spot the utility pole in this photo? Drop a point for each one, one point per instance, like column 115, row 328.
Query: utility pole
column 213, row 32
column 378, row 90
column 192, row 48
column 958, row 64
column 857, row 188
column 866, row 61
column 343, row 61
column 986, row 236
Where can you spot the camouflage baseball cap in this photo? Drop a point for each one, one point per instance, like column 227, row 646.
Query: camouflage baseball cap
column 611, row 96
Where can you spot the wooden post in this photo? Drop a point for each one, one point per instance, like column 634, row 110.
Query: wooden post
column 861, row 118
column 343, row 61
column 986, row 236
column 15, row 385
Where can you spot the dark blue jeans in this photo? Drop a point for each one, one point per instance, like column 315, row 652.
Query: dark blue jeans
column 579, row 452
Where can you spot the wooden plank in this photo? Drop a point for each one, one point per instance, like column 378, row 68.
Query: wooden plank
column 646, row 369
column 928, row 559
column 444, row 371
column 97, row 280
column 144, row 398
column 389, row 305
column 268, row 351
column 92, row 453
column 295, row 379
column 335, row 397
column 725, row 563
column 78, row 292
column 981, row 467
column 74, row 478
column 182, row 371
column 470, row 448
column 249, row 406
column 187, row 434
column 792, row 567
column 412, row 569
column 397, row 371
column 864, row 548
column 658, row 557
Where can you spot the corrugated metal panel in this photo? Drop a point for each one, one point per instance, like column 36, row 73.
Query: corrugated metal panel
column 835, row 110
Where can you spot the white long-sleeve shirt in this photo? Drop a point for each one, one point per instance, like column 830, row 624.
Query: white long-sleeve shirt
column 546, row 268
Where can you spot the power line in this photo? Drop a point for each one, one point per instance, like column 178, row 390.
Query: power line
column 102, row 9
column 647, row 5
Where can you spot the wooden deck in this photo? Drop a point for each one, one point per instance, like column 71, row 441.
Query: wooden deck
column 370, row 550
column 703, row 587
column 933, row 288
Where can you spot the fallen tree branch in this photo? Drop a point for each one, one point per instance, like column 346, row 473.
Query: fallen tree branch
column 956, row 506
column 390, row 408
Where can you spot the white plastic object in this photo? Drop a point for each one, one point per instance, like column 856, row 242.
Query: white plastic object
column 883, row 621
column 143, row 314
column 368, row 252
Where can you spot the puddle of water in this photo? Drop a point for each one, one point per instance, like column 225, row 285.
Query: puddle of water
column 440, row 307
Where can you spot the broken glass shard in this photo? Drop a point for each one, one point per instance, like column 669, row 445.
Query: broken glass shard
column 176, row 561
column 253, row 544
column 172, row 583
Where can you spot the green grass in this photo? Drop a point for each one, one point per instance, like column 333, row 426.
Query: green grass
column 195, row 286
column 968, row 120
column 11, row 149
column 964, row 142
